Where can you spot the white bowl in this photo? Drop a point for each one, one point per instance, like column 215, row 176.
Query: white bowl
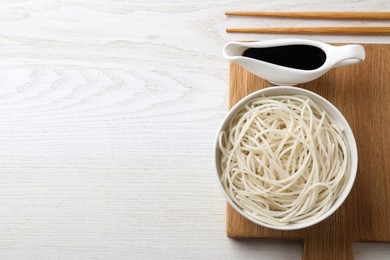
column 333, row 112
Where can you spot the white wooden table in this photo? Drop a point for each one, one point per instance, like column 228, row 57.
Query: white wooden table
column 108, row 111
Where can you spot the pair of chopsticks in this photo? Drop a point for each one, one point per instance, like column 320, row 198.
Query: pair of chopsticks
column 317, row 15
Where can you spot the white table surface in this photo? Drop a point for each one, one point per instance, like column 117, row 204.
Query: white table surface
column 108, row 111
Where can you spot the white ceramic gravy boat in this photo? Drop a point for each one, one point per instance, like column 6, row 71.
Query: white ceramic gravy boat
column 333, row 56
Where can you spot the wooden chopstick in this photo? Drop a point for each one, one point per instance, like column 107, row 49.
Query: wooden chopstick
column 316, row 30
column 318, row 15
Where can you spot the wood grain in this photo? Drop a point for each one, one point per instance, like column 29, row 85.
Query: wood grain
column 361, row 93
column 108, row 113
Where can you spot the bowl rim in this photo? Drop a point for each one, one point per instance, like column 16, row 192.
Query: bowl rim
column 350, row 140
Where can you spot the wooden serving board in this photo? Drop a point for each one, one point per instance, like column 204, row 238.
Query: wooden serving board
column 362, row 93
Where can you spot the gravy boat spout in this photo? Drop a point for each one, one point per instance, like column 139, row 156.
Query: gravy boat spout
column 291, row 61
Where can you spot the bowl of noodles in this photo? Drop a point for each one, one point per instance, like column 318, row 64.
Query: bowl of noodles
column 285, row 157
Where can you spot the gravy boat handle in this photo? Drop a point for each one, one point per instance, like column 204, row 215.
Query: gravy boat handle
column 348, row 55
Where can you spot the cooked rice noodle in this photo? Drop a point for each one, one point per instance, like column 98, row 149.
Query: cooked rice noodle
column 283, row 159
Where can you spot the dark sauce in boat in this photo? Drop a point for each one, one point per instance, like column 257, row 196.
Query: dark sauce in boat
column 303, row 57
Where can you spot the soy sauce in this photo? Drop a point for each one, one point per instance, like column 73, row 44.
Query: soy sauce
column 304, row 57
